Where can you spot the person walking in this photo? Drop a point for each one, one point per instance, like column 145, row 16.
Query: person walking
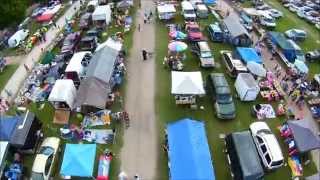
column 139, row 27
column 144, row 54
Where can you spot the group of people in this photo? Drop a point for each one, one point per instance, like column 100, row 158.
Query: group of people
column 147, row 17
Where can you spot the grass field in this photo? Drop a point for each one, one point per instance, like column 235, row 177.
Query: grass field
column 6, row 74
column 167, row 111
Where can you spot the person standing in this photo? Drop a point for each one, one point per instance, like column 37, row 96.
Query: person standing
column 144, row 54
column 139, row 27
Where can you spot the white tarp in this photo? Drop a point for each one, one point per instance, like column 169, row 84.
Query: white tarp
column 4, row 146
column 247, row 88
column 102, row 13
column 19, row 36
column 187, row 83
column 75, row 62
column 111, row 43
column 94, row 3
column 63, row 91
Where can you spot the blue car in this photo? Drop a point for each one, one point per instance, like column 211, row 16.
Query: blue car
column 215, row 32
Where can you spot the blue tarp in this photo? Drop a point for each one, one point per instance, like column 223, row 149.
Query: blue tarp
column 78, row 160
column 7, row 127
column 248, row 54
column 189, row 152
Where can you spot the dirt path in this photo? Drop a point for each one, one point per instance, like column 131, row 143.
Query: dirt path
column 139, row 152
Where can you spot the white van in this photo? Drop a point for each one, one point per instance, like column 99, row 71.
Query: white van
column 202, row 11
column 188, row 11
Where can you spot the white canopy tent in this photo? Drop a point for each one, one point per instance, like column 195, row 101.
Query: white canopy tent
column 166, row 11
column 4, row 146
column 75, row 62
column 102, row 13
column 114, row 44
column 187, row 83
column 63, row 91
column 17, row 37
column 246, row 87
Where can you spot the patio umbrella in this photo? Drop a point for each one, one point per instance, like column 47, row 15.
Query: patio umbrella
column 177, row 46
column 301, row 66
column 177, row 35
column 256, row 69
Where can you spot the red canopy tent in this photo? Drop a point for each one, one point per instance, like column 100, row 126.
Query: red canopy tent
column 45, row 17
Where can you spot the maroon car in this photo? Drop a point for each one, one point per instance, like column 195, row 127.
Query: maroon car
column 193, row 31
column 70, row 43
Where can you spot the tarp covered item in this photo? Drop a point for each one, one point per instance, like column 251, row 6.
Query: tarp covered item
column 48, row 57
column 246, row 87
column 304, row 138
column 102, row 64
column 189, row 83
column 75, row 62
column 17, row 37
column 248, row 54
column 78, row 160
column 92, row 92
column 4, row 146
column 102, row 13
column 189, row 152
column 234, row 26
column 63, row 91
column 7, row 126
column 256, row 69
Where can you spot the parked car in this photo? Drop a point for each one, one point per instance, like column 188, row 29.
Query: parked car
column 263, row 7
column 215, row 32
column 294, row 8
column 234, row 66
column 45, row 159
column 38, row 11
column 296, row 34
column 70, row 43
column 193, row 31
column 88, row 43
column 275, row 13
column 266, row 19
column 202, row 50
column 313, row 55
column 3, row 64
column 93, row 32
column 267, row 145
column 85, row 21
column 221, row 96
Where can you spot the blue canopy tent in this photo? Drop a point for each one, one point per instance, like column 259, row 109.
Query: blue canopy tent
column 248, row 54
column 209, row 2
column 189, row 152
column 7, row 126
column 78, row 160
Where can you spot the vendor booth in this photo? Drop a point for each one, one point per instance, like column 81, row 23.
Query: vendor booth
column 102, row 16
column 246, row 87
column 62, row 97
column 186, row 86
column 166, row 11
column 75, row 70
column 4, row 146
column 189, row 154
column 78, row 160
column 248, row 54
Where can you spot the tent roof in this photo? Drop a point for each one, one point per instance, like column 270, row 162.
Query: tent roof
column 101, row 11
column 7, row 126
column 248, row 54
column 63, row 91
column 280, row 40
column 166, row 8
column 22, row 129
column 75, row 62
column 189, row 151
column 303, row 136
column 111, row 43
column 234, row 26
column 78, row 160
column 102, row 64
column 92, row 92
column 186, row 83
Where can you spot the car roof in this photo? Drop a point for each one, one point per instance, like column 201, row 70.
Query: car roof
column 273, row 146
column 220, row 83
column 215, row 27
column 204, row 46
column 39, row 163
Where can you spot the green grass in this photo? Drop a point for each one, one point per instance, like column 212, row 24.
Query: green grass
column 167, row 111
column 6, row 74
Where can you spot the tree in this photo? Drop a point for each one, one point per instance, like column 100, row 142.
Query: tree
column 12, row 12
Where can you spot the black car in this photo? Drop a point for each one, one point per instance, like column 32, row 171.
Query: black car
column 313, row 55
column 88, row 43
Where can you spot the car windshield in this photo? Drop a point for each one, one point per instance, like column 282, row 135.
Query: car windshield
column 37, row 176
column 206, row 54
column 46, row 150
column 224, row 98
column 190, row 11
column 194, row 29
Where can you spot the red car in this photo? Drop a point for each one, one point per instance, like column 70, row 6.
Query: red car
column 193, row 31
